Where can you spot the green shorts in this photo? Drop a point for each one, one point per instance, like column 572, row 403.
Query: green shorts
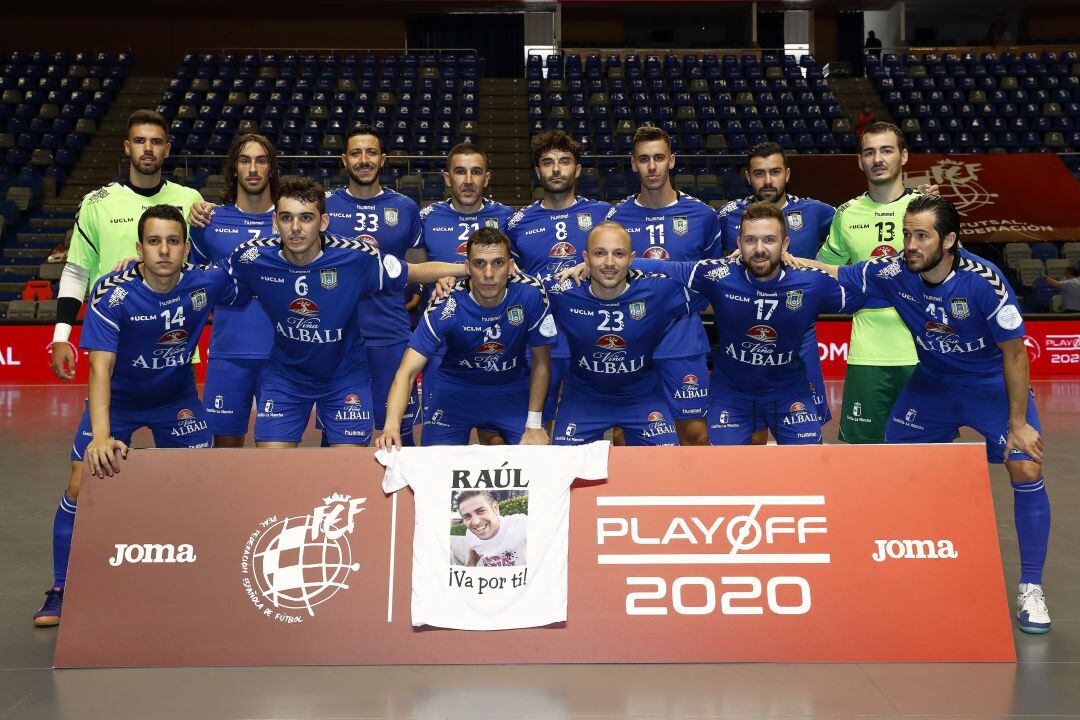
column 869, row 394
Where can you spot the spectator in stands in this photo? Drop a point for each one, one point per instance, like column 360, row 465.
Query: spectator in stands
column 1070, row 289
column 864, row 118
column 872, row 46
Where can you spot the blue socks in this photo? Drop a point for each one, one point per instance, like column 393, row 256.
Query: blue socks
column 1031, row 513
column 63, row 525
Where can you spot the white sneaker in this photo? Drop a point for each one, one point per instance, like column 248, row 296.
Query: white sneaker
column 1031, row 609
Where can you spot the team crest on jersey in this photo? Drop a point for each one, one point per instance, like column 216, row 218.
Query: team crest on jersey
column 718, row 273
column 198, row 299
column 584, row 222
column 117, row 297
column 516, row 315
column 794, row 300
column 794, row 220
column 637, row 309
column 390, row 216
column 249, row 255
column 491, row 223
column 328, row 278
column 960, row 309
column 679, row 225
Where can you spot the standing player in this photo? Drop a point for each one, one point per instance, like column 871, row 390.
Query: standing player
column 390, row 221
column 105, row 225
column 311, row 285
column 241, row 339
column 667, row 225
column 973, row 369
column 142, row 329
column 763, row 310
column 614, row 325
column 808, row 223
column 549, row 236
column 881, row 355
column 484, row 327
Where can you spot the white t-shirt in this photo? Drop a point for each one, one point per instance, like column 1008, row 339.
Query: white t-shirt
column 526, row 586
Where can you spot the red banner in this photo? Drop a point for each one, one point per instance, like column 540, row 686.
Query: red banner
column 992, row 192
column 786, row 554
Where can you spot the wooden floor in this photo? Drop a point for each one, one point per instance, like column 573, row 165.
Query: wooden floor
column 36, row 427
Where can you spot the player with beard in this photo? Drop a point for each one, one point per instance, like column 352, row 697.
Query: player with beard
column 808, row 223
column 973, row 369
column 241, row 339
column 667, row 225
column 390, row 221
column 482, row 329
column 549, row 236
column 105, row 226
column 881, row 355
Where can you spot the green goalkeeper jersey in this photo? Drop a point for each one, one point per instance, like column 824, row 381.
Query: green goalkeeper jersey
column 106, row 224
column 863, row 229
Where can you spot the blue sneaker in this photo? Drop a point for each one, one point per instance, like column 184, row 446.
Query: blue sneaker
column 1031, row 609
column 49, row 614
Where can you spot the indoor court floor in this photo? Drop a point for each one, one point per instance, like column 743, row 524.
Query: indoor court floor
column 36, row 427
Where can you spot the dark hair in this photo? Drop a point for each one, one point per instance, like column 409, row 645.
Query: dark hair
column 550, row 140
column 764, row 150
column 649, row 133
column 466, row 494
column 162, row 212
column 764, row 210
column 305, row 190
column 232, row 181
column 879, row 127
column 363, row 129
column 465, row 148
column 147, row 117
column 946, row 218
column 487, row 237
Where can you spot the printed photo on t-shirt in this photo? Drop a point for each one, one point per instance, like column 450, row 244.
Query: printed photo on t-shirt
column 489, row 528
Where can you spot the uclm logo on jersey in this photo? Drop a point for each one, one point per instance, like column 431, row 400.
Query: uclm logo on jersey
column 938, row 328
column 762, row 333
column 491, row 348
column 656, row 253
column 303, row 306
column 562, row 250
column 611, row 342
column 174, row 337
column 883, row 251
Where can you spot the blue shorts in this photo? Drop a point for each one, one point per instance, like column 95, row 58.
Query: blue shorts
column 342, row 406
column 559, row 369
column 584, row 417
column 734, row 416
column 178, row 425
column 686, row 384
column 808, row 351
column 384, row 363
column 456, row 410
column 930, row 409
column 231, row 388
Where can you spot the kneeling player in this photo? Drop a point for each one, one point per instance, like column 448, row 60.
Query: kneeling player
column 485, row 325
column 614, row 324
column 973, row 369
column 142, row 329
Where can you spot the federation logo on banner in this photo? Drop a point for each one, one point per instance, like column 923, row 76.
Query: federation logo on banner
column 390, row 216
column 291, row 565
column 958, row 182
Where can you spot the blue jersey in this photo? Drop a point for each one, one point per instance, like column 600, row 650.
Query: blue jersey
column 546, row 242
column 760, row 324
column 485, row 346
column 686, row 230
column 613, row 342
column 808, row 223
column 446, row 231
column 956, row 325
column 237, row 332
column 389, row 221
column 154, row 335
column 313, row 307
